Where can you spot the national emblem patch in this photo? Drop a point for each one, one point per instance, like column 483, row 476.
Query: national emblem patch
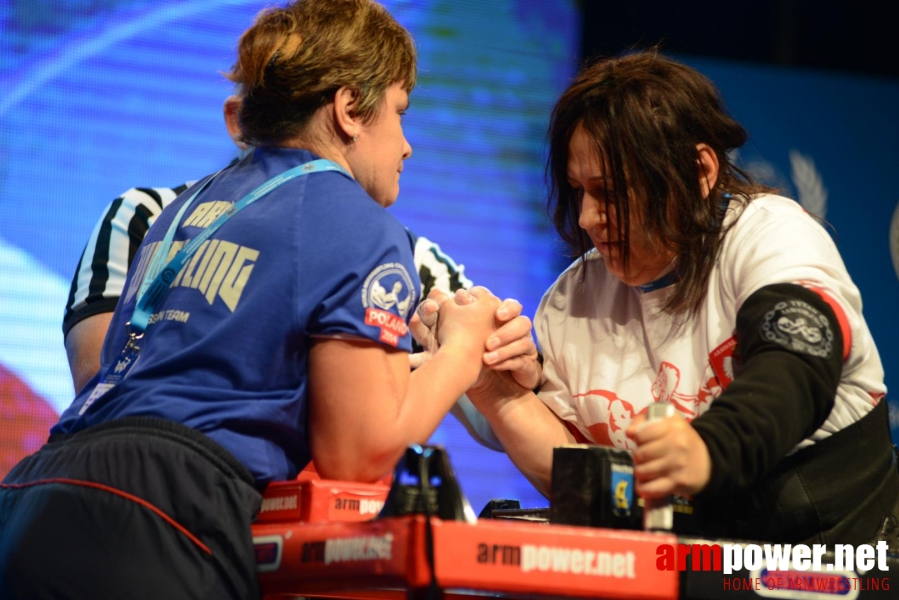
column 800, row 327
column 388, row 296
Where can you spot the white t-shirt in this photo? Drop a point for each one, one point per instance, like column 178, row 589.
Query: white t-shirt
column 610, row 351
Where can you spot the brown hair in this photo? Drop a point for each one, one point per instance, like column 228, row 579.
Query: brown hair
column 647, row 114
column 292, row 60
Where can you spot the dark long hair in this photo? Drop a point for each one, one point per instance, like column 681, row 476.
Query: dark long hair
column 647, row 114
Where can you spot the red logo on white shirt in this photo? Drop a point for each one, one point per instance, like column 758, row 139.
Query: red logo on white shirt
column 722, row 361
column 620, row 414
column 664, row 389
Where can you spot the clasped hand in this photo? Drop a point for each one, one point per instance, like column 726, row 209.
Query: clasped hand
column 509, row 348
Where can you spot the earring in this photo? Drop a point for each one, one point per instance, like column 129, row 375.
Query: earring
column 355, row 137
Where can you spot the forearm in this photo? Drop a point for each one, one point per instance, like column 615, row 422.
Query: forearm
column 780, row 396
column 83, row 345
column 526, row 428
column 761, row 417
column 475, row 424
column 433, row 390
column 366, row 407
column 363, row 418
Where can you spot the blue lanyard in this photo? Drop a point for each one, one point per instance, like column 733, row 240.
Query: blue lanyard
column 151, row 295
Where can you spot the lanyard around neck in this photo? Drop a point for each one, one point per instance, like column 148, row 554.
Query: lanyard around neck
column 163, row 276
column 152, row 293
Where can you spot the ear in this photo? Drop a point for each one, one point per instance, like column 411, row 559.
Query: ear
column 346, row 99
column 231, row 109
column 707, row 161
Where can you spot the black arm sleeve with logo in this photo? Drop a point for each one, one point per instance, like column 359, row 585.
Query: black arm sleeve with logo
column 791, row 359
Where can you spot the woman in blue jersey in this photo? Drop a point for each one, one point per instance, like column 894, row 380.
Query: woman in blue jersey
column 264, row 323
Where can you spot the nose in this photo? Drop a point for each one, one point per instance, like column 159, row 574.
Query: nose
column 591, row 214
column 407, row 148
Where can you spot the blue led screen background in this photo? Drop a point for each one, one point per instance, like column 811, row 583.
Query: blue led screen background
column 101, row 96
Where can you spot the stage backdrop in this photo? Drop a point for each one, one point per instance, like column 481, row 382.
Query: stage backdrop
column 102, row 96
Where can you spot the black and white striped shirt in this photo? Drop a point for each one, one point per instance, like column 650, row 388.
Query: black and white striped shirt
column 100, row 276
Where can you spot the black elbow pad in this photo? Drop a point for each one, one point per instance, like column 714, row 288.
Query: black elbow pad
column 790, row 348
column 788, row 317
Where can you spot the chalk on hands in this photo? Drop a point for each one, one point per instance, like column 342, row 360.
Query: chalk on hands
column 464, row 297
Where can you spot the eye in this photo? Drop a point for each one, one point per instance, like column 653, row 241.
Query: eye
column 601, row 192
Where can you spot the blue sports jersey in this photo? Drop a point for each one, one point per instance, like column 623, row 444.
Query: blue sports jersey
column 226, row 352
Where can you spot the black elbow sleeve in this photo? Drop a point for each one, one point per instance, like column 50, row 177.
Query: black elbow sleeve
column 790, row 361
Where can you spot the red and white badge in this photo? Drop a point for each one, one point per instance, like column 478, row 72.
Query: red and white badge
column 388, row 296
column 722, row 361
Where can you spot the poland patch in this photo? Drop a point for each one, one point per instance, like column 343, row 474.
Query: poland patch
column 388, row 290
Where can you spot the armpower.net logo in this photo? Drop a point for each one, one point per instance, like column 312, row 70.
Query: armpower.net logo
column 774, row 569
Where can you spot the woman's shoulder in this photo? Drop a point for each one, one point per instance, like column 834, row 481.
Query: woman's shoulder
column 591, row 262
column 341, row 197
column 583, row 276
column 347, row 222
column 770, row 212
column 768, row 206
